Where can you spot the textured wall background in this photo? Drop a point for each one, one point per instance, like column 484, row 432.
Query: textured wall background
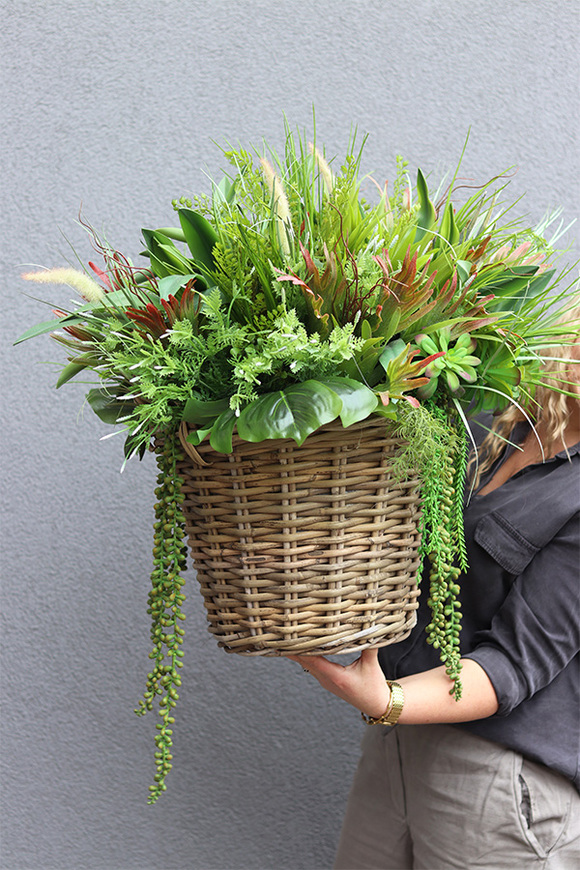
column 113, row 105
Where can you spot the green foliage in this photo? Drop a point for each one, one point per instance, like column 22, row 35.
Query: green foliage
column 286, row 273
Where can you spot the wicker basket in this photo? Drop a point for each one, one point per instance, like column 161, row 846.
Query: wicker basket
column 309, row 549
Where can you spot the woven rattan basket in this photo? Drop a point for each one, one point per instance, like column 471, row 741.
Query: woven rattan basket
column 310, row 549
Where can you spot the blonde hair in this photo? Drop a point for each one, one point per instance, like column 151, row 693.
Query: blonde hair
column 548, row 405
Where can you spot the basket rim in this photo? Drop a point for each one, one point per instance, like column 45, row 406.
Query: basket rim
column 374, row 421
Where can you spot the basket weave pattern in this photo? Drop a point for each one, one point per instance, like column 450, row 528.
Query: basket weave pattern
column 309, row 549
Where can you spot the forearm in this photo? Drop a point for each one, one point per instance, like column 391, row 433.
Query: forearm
column 427, row 698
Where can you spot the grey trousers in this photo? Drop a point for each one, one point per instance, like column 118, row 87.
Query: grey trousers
column 436, row 797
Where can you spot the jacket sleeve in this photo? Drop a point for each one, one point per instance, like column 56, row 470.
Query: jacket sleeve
column 535, row 632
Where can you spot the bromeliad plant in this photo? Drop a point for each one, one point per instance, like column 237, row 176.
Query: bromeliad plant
column 287, row 299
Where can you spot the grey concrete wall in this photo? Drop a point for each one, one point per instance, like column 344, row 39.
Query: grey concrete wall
column 114, row 105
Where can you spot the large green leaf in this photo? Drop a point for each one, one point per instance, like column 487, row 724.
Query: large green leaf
column 172, row 255
column 364, row 364
column 200, row 236
column 107, row 406
column 388, row 326
column 505, row 279
column 224, row 191
column 222, row 431
column 358, row 401
column 515, row 289
column 198, row 412
column 159, row 268
column 295, row 413
column 173, row 233
column 391, row 352
column 196, row 436
column 463, row 270
column 166, row 258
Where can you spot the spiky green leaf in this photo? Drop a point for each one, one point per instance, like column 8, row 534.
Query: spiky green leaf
column 200, row 236
column 426, row 216
column 69, row 372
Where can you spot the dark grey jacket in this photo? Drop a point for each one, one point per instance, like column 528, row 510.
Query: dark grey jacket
column 520, row 602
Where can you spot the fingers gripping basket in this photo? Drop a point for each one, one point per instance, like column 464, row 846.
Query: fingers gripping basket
column 310, row 549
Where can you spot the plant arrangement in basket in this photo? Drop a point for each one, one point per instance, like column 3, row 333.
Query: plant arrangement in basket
column 296, row 293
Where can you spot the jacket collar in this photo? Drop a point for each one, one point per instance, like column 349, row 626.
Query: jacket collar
column 521, row 430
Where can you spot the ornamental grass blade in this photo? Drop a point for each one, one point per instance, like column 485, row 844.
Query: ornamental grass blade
column 48, row 326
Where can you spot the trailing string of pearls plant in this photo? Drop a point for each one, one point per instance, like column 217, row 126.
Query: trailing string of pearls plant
column 437, row 447
column 443, row 541
column 165, row 602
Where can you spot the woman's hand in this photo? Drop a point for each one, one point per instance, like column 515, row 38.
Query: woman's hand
column 427, row 698
column 361, row 683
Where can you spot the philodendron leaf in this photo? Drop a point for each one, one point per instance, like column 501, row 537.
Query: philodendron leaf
column 108, row 407
column 358, row 401
column 295, row 413
column 197, row 412
column 222, row 431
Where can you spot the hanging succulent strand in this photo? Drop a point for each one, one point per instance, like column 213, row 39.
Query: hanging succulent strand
column 459, row 489
column 436, row 449
column 165, row 601
column 443, row 538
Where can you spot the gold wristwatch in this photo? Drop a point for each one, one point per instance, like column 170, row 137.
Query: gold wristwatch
column 393, row 711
